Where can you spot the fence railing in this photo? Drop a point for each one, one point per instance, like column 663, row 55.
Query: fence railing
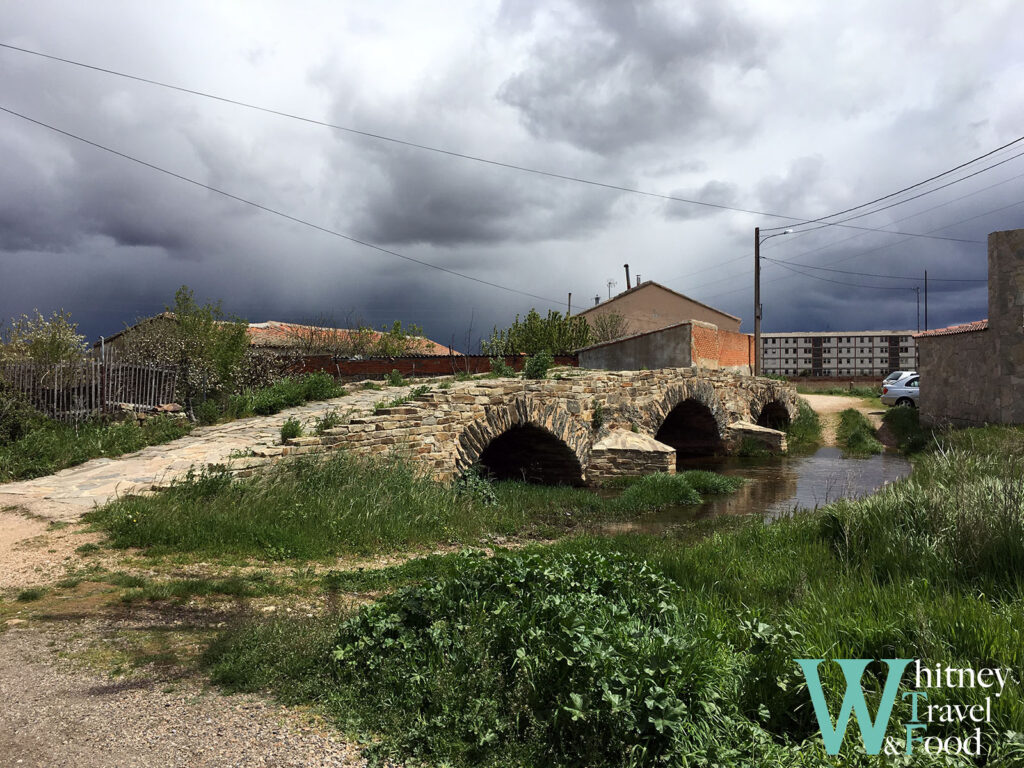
column 75, row 391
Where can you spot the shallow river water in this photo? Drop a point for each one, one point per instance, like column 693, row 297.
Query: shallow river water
column 777, row 485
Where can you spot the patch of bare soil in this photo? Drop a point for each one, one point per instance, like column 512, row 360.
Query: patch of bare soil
column 35, row 552
column 828, row 408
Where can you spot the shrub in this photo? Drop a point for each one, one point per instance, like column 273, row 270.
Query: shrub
column 597, row 417
column 501, row 369
column 574, row 659
column 537, row 366
column 291, row 428
column 395, row 378
column 320, row 386
column 44, row 340
column 608, row 326
column 17, row 416
column 207, row 412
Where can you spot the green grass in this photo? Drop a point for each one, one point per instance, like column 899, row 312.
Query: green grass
column 315, row 509
column 905, row 426
column 803, row 432
column 871, row 393
column 55, row 446
column 637, row 650
column 31, row 594
column 855, row 434
column 285, row 393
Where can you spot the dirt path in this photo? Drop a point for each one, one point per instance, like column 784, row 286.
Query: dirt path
column 828, row 408
column 73, row 491
column 53, row 715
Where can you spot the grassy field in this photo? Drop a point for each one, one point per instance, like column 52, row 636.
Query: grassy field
column 638, row 650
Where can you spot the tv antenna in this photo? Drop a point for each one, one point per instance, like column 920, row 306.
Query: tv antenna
column 611, row 284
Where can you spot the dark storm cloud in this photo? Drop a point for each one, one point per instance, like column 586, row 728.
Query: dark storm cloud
column 617, row 75
column 716, row 192
column 419, row 199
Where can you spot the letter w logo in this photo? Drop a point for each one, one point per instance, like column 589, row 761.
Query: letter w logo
column 871, row 732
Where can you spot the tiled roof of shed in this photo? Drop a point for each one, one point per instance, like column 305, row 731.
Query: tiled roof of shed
column 977, row 325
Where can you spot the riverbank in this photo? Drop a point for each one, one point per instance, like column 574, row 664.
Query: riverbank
column 729, row 603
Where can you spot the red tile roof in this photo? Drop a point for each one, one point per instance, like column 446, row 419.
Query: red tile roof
column 977, row 325
column 273, row 333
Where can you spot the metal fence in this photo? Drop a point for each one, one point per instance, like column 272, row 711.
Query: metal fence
column 75, row 391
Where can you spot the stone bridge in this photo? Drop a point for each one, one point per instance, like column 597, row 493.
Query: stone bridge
column 578, row 429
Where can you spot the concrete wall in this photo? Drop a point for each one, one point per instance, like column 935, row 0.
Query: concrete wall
column 665, row 348
column 650, row 307
column 978, row 377
column 677, row 346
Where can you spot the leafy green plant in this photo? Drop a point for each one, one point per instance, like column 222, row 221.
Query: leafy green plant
column 395, row 378
column 329, row 420
column 44, row 340
column 537, row 365
column 31, row 594
column 17, row 416
column 290, row 429
column 207, row 412
column 597, row 415
column 500, row 369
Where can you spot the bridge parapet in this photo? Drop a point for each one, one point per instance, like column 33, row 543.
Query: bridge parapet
column 528, row 427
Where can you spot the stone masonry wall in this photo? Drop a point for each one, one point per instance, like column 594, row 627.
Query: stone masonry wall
column 447, row 431
column 977, row 377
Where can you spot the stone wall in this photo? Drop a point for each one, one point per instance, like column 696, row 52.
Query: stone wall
column 977, row 376
column 448, row 431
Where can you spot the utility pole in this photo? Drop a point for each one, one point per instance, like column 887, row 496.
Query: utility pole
column 926, row 299
column 568, row 306
column 757, row 301
column 917, row 290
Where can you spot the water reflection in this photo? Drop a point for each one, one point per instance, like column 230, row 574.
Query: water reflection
column 776, row 486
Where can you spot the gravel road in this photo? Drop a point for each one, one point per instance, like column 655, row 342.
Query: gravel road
column 53, row 715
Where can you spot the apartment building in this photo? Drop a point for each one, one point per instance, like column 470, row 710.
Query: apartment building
column 841, row 353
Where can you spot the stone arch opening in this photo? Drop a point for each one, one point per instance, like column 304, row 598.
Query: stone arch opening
column 532, row 454
column 773, row 415
column 692, row 430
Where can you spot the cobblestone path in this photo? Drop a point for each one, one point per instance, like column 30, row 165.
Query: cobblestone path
column 73, row 491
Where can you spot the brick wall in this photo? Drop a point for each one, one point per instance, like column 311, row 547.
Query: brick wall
column 439, row 365
column 717, row 349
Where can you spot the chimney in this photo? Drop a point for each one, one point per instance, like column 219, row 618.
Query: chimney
column 597, row 300
column 638, row 279
column 627, row 276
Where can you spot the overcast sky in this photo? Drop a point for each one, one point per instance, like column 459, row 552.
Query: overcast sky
column 793, row 108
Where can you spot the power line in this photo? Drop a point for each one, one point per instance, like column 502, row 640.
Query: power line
column 876, row 274
column 915, row 197
column 450, row 153
column 912, row 186
column 274, row 211
column 843, row 282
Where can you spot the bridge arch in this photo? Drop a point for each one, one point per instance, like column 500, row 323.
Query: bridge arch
column 691, row 419
column 527, row 441
column 773, row 409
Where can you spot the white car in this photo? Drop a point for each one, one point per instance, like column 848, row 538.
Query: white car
column 903, row 391
column 896, row 376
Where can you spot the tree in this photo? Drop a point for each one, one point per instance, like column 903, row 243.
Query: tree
column 557, row 333
column 608, row 326
column 45, row 340
column 208, row 348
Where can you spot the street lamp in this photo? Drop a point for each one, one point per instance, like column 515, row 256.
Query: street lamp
column 757, row 293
